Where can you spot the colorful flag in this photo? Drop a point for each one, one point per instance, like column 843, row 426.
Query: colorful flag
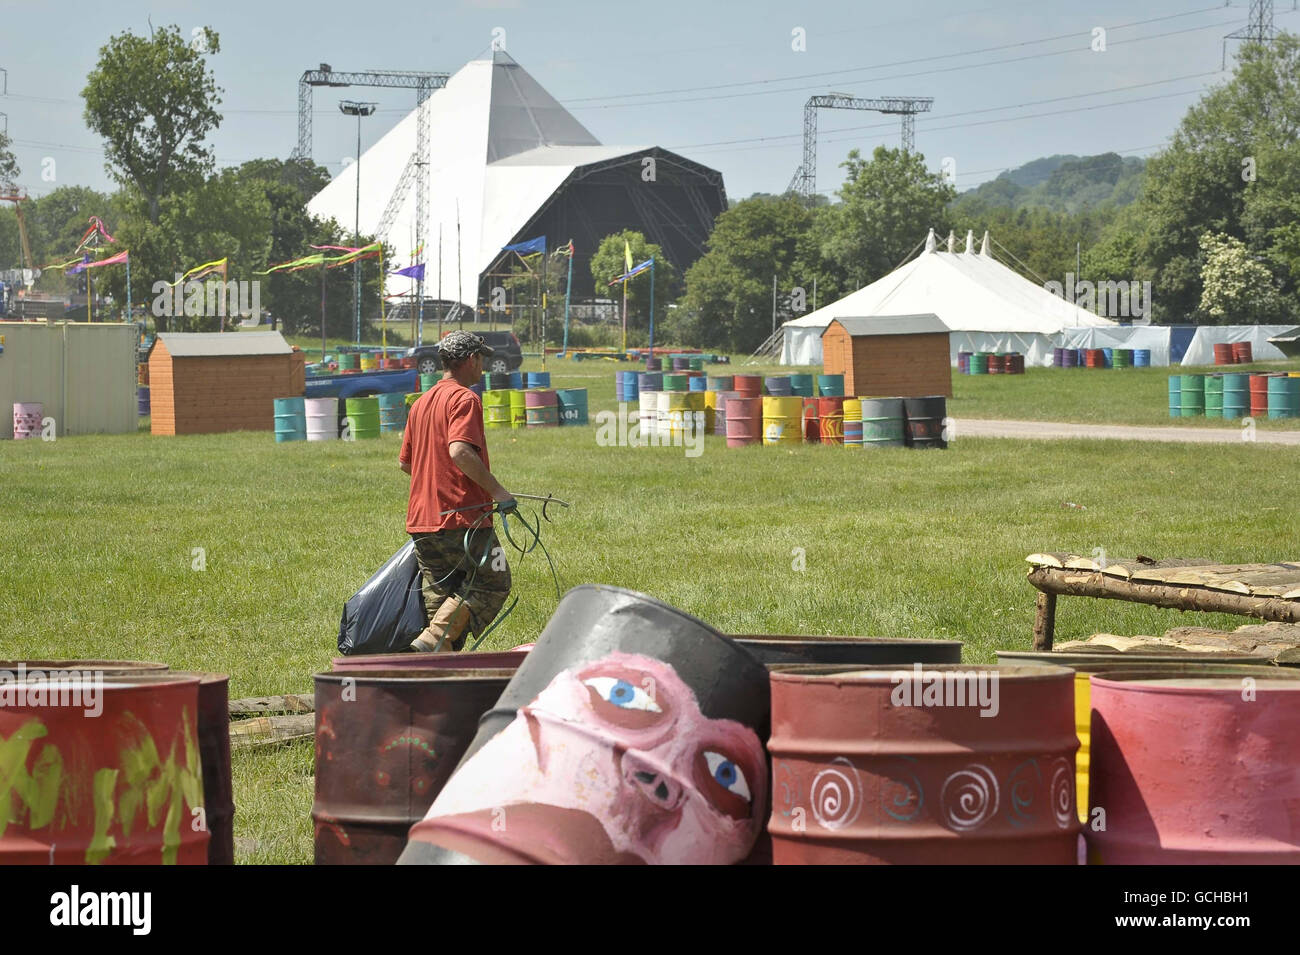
column 411, row 272
column 113, row 260
column 633, row 270
column 627, row 256
column 531, row 245
column 202, row 271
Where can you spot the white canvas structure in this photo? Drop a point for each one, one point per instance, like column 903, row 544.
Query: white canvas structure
column 500, row 147
column 1201, row 350
column 1153, row 337
column 988, row 306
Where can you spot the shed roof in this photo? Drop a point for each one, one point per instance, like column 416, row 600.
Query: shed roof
column 221, row 344
column 925, row 323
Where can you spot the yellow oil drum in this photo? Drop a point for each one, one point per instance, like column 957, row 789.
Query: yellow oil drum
column 673, row 408
column 783, row 420
column 518, row 408
column 496, row 408
column 852, row 409
column 710, row 410
column 369, row 363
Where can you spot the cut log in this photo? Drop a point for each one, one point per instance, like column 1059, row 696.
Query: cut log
column 261, row 705
column 265, row 730
column 1172, row 596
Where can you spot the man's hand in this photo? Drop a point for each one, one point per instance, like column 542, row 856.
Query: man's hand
column 508, row 506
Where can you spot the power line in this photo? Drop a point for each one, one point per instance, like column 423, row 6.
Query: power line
column 923, row 59
column 931, row 119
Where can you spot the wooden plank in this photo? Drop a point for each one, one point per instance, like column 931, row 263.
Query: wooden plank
column 1266, row 580
column 260, row 705
column 264, row 730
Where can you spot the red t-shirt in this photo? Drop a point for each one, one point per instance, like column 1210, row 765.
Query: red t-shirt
column 445, row 413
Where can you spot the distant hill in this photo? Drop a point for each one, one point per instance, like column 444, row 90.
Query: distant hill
column 1059, row 183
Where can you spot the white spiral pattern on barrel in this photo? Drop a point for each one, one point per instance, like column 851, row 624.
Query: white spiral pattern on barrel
column 969, row 798
column 836, row 795
column 1062, row 793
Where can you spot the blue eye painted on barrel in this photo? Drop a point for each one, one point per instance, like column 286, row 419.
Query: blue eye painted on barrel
column 622, row 694
column 727, row 774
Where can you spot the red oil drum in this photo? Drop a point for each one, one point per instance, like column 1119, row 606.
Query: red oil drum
column 1195, row 769
column 214, row 753
column 504, row 660
column 897, row 765
column 106, row 770
column 748, row 386
column 812, row 428
column 1259, row 396
column 1094, row 358
column 1242, row 353
column 744, row 419
column 106, row 667
column 830, row 412
column 386, row 743
column 1223, row 354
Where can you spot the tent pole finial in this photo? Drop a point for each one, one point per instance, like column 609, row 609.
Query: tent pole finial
column 930, row 242
column 984, row 245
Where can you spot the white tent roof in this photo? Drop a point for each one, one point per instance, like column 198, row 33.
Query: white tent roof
column 499, row 147
column 969, row 291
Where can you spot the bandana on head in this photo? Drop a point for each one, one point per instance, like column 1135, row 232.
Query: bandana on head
column 458, row 345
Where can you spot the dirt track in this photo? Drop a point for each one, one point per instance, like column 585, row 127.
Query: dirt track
column 1055, row 430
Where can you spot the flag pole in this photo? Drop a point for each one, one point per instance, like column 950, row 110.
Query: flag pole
column 545, row 256
column 383, row 319
column 625, row 315
column 652, row 306
column 567, row 290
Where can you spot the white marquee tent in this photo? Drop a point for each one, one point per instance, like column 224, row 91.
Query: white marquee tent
column 988, row 306
column 1201, row 350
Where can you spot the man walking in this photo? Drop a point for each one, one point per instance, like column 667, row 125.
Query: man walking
column 444, row 450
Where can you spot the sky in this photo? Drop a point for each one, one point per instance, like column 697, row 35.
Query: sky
column 722, row 83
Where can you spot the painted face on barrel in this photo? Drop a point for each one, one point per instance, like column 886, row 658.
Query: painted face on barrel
column 613, row 762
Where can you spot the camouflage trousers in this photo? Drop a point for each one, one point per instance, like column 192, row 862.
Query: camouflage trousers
column 463, row 587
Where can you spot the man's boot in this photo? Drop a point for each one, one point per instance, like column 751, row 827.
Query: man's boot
column 445, row 629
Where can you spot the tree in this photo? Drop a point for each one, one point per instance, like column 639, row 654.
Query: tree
column 1228, row 170
column 608, row 263
column 8, row 164
column 887, row 203
column 1236, row 288
column 729, row 289
column 154, row 102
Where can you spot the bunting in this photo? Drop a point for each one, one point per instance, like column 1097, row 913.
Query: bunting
column 633, row 270
column 202, row 271
column 113, row 260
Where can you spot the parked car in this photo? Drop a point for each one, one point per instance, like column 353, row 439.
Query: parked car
column 507, row 354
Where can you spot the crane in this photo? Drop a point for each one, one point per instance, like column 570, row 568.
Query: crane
column 11, row 193
column 417, row 167
column 804, row 181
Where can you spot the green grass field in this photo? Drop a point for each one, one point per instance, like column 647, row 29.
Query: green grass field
column 100, row 535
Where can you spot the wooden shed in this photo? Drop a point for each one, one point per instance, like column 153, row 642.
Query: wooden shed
column 209, row 382
column 889, row 355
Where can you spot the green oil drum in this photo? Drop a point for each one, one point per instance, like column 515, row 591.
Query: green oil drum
column 1236, row 395
column 1191, row 394
column 1175, row 396
column 363, row 417
column 1214, row 396
column 1283, row 397
column 518, row 408
column 496, row 407
column 573, row 405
